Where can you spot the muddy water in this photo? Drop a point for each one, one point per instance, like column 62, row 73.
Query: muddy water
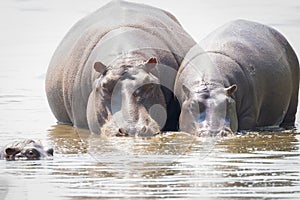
column 172, row 166
column 175, row 165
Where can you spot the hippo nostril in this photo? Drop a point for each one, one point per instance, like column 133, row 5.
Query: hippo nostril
column 144, row 129
column 147, row 131
column 20, row 156
column 122, row 132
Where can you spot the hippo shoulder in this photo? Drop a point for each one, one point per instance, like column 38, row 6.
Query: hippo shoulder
column 139, row 8
column 239, row 33
column 240, row 38
column 87, row 32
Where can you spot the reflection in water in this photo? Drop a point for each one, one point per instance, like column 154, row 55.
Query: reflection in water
column 172, row 165
column 138, row 167
column 66, row 140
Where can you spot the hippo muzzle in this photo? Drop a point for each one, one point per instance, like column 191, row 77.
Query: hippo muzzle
column 209, row 111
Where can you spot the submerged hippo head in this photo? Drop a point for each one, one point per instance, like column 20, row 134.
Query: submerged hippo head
column 128, row 99
column 208, row 109
column 25, row 150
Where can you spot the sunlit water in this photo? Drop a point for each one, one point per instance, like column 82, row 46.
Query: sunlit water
column 175, row 165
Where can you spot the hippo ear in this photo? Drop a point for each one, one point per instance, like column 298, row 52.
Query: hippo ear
column 100, row 67
column 230, row 90
column 12, row 151
column 150, row 64
column 186, row 91
column 50, row 152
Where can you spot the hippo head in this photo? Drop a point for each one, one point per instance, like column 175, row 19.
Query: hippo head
column 26, row 150
column 208, row 109
column 128, row 98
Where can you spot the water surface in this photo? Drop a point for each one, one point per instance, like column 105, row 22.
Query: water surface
column 175, row 165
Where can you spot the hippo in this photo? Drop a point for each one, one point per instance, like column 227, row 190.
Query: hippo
column 25, row 150
column 244, row 76
column 114, row 71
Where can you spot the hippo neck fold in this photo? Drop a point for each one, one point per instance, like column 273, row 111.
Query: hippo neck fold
column 198, row 87
column 224, row 54
column 128, row 59
column 214, row 76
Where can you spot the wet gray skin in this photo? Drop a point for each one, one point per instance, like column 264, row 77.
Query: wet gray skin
column 114, row 72
column 242, row 76
column 125, row 97
column 25, row 150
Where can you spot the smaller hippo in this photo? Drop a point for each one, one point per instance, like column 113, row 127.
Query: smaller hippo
column 243, row 76
column 25, row 150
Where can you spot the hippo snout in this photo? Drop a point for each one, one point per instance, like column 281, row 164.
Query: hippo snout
column 126, row 130
column 145, row 131
column 225, row 131
column 145, row 127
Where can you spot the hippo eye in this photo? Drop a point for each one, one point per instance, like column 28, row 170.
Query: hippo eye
column 107, row 86
column 138, row 96
column 137, row 93
column 32, row 153
column 105, row 90
column 139, row 99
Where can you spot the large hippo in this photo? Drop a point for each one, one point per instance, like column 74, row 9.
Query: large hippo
column 242, row 76
column 114, row 71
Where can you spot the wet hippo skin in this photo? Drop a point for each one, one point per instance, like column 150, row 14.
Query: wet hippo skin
column 25, row 150
column 114, row 71
column 242, row 76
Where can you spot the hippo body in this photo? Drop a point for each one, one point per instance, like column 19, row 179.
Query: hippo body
column 242, row 76
column 107, row 55
column 25, row 150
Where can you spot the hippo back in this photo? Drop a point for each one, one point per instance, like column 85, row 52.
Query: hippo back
column 269, row 66
column 70, row 74
column 257, row 62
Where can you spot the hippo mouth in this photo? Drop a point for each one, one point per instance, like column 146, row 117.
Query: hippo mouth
column 225, row 131
column 145, row 131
